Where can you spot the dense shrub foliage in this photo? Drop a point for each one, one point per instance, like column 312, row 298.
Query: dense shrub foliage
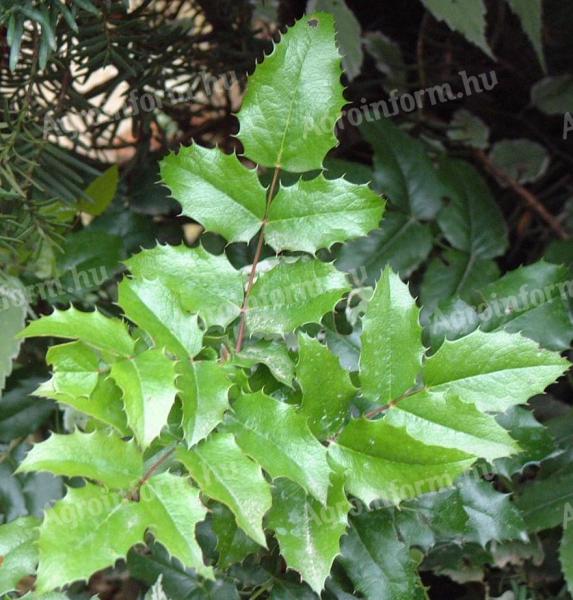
column 274, row 401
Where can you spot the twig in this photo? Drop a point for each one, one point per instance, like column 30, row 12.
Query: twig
column 257, row 258
column 530, row 200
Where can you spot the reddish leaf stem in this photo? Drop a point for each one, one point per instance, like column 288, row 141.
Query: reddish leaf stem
column 242, row 326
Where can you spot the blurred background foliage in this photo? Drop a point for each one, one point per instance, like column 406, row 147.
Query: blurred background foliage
column 480, row 215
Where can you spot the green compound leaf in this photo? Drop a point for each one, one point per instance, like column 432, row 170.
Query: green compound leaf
column 392, row 348
column 91, row 328
column 278, row 438
column 472, row 221
column 205, row 284
column 385, row 462
column 274, row 355
column 204, row 392
column 148, row 385
column 97, row 455
column 172, row 510
column 309, row 533
column 156, row 309
column 19, row 551
column 99, row 526
column 294, row 99
column 464, row 16
column 226, row 474
column 76, row 369
column 377, row 561
column 104, row 403
column 318, row 213
column 326, row 387
column 293, row 294
column 216, row 190
column 493, row 370
column 449, row 422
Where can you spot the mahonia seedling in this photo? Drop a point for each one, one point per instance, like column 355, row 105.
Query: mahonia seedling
column 157, row 395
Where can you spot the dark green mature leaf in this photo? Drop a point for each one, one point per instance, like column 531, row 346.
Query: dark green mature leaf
column 279, row 439
column 286, row 590
column 99, row 525
column 13, row 309
column 401, row 242
column 469, row 129
column 451, row 319
column 204, row 392
column 535, row 440
column 309, row 533
column 530, row 15
column 452, row 423
column 464, row 16
column 391, row 341
column 97, row 455
column 226, row 474
column 492, row 516
column 553, row 95
column 233, row 545
column 205, row 284
column 547, row 502
column 294, row 98
column 523, row 160
column 157, row 309
column 317, row 213
column 377, row 561
column 455, row 273
column 384, row 462
column 348, row 33
column 87, row 260
column 471, row 221
column 25, row 494
column 293, row 294
column 216, row 190
column 171, row 509
column 91, row 328
column 566, row 556
column 148, row 385
column 273, row 355
column 403, row 171
column 533, row 300
column 493, row 370
column 326, row 387
column 20, row 412
column 18, row 551
column 177, row 581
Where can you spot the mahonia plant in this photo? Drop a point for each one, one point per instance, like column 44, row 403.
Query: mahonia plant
column 177, row 421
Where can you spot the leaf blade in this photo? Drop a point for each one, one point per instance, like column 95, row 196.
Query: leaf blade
column 294, row 98
column 392, row 349
column 227, row 475
column 97, row 455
